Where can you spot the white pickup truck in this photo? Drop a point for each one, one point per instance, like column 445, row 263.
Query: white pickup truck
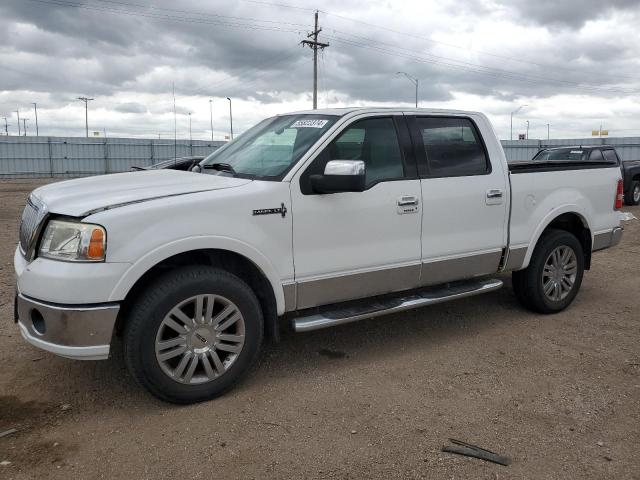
column 311, row 219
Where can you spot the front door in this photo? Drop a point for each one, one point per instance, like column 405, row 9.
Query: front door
column 357, row 244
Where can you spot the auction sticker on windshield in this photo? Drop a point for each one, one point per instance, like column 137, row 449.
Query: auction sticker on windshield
column 309, row 124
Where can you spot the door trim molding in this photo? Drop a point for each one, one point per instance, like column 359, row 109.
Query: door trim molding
column 333, row 289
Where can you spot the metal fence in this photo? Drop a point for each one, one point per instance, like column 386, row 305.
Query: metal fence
column 628, row 148
column 74, row 156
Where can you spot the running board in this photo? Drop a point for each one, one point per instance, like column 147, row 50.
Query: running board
column 354, row 311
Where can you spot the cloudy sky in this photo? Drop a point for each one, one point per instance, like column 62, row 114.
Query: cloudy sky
column 575, row 64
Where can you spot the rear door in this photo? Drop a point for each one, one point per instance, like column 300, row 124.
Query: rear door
column 465, row 199
column 358, row 244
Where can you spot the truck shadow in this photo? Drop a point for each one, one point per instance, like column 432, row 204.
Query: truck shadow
column 107, row 384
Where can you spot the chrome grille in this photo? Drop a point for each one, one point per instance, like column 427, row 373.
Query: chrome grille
column 32, row 216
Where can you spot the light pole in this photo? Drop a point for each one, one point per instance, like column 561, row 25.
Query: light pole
column 211, row 116
column 512, row 114
column 190, row 136
column 412, row 80
column 548, row 130
column 24, row 124
column 86, row 101
column 35, row 109
column 230, row 117
column 527, row 135
column 18, row 114
column 6, row 126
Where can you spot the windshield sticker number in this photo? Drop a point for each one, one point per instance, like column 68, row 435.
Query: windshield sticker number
column 309, row 124
column 576, row 151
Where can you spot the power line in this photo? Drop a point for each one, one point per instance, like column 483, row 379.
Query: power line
column 494, row 72
column 160, row 16
column 426, row 39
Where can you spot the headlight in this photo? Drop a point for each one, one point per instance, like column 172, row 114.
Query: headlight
column 73, row 242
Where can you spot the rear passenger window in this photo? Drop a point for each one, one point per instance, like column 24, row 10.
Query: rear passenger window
column 610, row 156
column 453, row 147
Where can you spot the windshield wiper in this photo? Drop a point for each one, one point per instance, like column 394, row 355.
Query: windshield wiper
column 223, row 167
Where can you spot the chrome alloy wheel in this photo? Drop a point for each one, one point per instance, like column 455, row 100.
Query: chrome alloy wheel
column 636, row 194
column 559, row 273
column 199, row 339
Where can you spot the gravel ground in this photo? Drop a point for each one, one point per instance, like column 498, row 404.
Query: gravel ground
column 558, row 394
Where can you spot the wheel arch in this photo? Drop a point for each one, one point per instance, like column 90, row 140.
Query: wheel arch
column 569, row 219
column 251, row 267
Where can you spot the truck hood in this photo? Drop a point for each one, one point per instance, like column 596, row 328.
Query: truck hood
column 84, row 196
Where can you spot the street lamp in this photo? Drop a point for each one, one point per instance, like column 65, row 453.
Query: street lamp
column 86, row 101
column 230, row 118
column 211, row 116
column 412, row 80
column 35, row 108
column 512, row 114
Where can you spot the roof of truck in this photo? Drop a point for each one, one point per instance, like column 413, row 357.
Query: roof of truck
column 344, row 111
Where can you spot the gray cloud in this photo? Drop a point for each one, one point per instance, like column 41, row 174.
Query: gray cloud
column 129, row 59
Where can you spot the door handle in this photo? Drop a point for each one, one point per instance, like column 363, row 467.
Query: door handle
column 494, row 193
column 407, row 201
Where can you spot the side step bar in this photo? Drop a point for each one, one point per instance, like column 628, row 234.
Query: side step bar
column 359, row 310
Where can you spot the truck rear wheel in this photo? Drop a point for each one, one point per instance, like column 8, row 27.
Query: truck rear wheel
column 193, row 334
column 634, row 194
column 554, row 275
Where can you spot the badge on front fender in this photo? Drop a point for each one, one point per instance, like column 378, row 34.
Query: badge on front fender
column 270, row 211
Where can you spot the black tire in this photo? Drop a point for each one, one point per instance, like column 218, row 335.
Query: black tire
column 528, row 283
column 633, row 195
column 148, row 312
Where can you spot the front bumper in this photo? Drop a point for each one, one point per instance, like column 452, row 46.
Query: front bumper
column 72, row 331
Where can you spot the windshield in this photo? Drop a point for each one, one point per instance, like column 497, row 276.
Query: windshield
column 562, row 155
column 271, row 147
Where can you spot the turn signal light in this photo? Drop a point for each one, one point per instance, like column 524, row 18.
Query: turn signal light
column 619, row 196
column 96, row 244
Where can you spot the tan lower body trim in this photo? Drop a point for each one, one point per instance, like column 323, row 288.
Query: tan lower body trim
column 441, row 271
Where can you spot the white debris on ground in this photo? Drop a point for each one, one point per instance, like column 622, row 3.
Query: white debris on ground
column 627, row 216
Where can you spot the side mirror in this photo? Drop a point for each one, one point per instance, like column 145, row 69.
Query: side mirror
column 340, row 176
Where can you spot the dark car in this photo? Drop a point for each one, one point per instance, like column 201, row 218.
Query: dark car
column 182, row 163
column 598, row 154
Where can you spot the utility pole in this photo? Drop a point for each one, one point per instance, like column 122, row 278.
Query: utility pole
column 548, row 131
column 412, row 80
column 230, row 117
column 24, row 124
column 211, row 116
column 18, row 113
column 527, row 135
column 6, row 127
column 86, row 101
column 35, row 109
column 315, row 45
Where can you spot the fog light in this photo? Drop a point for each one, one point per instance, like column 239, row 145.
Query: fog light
column 37, row 320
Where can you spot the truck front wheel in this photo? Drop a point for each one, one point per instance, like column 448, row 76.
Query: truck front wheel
column 554, row 275
column 192, row 334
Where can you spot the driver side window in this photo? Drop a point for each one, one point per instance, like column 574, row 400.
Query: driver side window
column 374, row 141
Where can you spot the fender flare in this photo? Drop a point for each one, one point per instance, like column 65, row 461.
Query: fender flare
column 546, row 221
column 159, row 254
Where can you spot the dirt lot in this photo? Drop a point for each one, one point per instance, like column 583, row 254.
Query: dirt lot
column 559, row 394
